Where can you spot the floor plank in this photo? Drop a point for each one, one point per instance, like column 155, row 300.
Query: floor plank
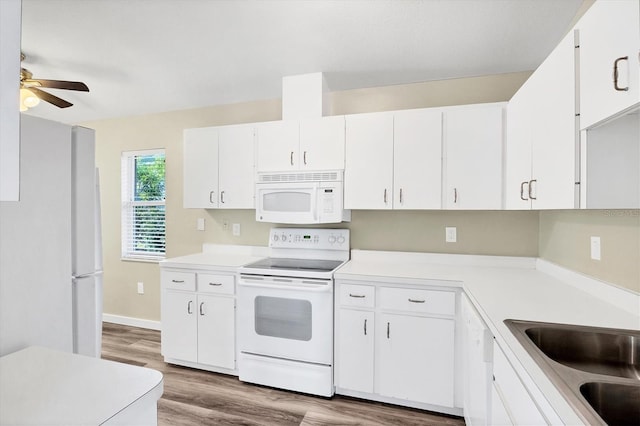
column 196, row 397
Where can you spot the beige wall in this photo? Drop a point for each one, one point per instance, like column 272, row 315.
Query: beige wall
column 565, row 240
column 497, row 233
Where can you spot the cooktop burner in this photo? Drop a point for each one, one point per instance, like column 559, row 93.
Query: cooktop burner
column 290, row 264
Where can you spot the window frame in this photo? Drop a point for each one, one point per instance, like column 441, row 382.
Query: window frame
column 128, row 205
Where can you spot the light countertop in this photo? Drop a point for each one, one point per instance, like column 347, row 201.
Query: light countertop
column 40, row 386
column 503, row 288
column 218, row 257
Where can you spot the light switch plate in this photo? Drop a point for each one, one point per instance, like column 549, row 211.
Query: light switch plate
column 595, row 248
column 200, row 224
column 451, row 234
column 235, row 229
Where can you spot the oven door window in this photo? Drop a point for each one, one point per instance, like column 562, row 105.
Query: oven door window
column 283, row 317
column 286, row 201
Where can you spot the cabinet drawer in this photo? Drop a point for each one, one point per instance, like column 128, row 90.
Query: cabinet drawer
column 418, row 300
column 214, row 283
column 357, row 295
column 179, row 280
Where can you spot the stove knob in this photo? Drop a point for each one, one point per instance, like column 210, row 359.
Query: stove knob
column 332, row 239
column 284, row 237
column 340, row 239
column 276, row 238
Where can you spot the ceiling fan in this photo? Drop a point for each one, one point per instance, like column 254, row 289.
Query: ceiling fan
column 30, row 92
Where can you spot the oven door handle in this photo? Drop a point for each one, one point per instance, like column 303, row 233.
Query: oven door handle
column 314, row 288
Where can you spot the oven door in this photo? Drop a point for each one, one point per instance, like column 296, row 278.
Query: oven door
column 287, row 202
column 290, row 318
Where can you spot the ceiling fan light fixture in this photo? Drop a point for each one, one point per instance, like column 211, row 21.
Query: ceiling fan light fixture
column 28, row 99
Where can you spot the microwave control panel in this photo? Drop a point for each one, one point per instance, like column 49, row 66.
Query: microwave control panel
column 319, row 239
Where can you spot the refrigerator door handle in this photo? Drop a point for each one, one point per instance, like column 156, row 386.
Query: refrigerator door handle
column 92, row 274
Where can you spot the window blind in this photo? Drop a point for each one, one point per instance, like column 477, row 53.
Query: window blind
column 143, row 205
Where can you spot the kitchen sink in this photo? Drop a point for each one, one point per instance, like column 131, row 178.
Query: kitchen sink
column 608, row 353
column 596, row 369
column 617, row 404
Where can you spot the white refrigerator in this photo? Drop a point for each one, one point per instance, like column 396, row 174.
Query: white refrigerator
column 50, row 243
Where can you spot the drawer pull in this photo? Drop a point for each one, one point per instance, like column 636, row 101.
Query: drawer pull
column 177, row 281
column 357, row 296
column 215, row 284
column 416, row 301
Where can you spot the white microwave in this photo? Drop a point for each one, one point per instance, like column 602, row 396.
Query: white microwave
column 301, row 197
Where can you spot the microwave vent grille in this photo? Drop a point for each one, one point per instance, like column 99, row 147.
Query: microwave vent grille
column 299, row 177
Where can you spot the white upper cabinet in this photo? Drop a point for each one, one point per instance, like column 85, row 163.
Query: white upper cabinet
column 417, row 159
column 609, row 59
column 277, row 146
column 236, row 167
column 322, row 143
column 309, row 144
column 540, row 166
column 219, row 167
column 200, row 168
column 368, row 176
column 473, row 138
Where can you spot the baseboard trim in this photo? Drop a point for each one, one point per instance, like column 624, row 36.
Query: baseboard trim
column 133, row 322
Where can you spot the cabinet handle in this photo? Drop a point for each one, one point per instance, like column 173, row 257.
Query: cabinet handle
column 365, row 327
column 388, row 330
column 359, row 296
column 615, row 74
column 189, row 311
column 531, row 189
column 215, row 284
column 455, row 195
column 400, row 195
column 211, row 197
column 416, row 301
column 222, row 197
column 385, row 196
column 200, row 309
column 522, row 184
column 177, row 281
column 291, row 158
column 304, row 157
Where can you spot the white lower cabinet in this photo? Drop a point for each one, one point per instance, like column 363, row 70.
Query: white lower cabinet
column 511, row 403
column 198, row 319
column 396, row 344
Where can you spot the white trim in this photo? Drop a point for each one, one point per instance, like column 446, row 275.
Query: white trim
column 131, row 321
column 625, row 299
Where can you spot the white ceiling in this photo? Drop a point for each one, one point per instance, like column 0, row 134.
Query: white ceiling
column 146, row 56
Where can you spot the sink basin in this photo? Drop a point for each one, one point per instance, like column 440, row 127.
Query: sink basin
column 617, row 404
column 596, row 369
column 608, row 353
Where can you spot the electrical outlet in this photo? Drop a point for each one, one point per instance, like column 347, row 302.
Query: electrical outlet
column 140, row 287
column 451, row 235
column 595, row 248
column 200, row 224
column 236, row 229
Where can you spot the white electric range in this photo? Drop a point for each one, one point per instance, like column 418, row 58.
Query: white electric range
column 285, row 310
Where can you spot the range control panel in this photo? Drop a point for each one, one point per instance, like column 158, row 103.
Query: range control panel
column 318, row 239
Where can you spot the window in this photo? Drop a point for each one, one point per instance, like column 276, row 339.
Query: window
column 143, row 205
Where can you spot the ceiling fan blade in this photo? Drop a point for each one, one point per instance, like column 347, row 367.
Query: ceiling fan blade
column 48, row 97
column 59, row 84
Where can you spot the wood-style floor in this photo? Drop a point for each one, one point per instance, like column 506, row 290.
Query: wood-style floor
column 195, row 397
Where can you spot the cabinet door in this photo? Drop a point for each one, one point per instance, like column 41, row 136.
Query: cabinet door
column 200, row 168
column 236, row 167
column 417, row 158
column 354, row 357
column 322, row 143
column 554, row 136
column 415, row 358
column 368, row 172
column 179, row 325
column 518, row 147
column 473, row 158
column 216, row 331
column 609, row 31
column 277, row 146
